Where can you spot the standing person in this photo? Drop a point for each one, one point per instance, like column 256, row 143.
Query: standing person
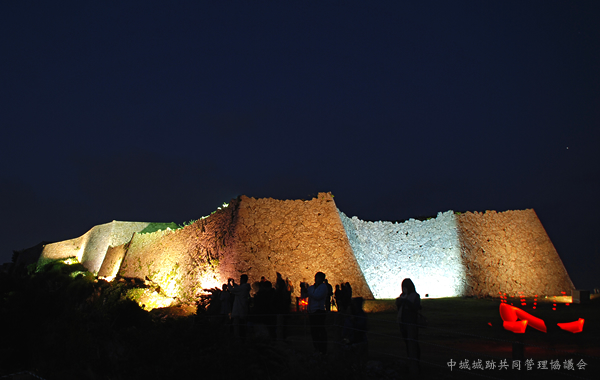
column 355, row 334
column 347, row 295
column 409, row 304
column 317, row 294
column 329, row 295
column 338, row 298
column 239, row 314
column 280, row 284
column 283, row 300
column 290, row 286
column 343, row 297
column 225, row 303
column 282, row 296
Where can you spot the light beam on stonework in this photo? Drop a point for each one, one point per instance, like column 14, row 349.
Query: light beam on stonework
column 209, row 280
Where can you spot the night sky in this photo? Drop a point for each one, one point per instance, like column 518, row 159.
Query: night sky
column 162, row 111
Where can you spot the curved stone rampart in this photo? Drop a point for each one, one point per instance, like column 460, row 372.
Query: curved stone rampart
column 183, row 262
column 257, row 237
column 510, row 252
column 450, row 255
column 90, row 248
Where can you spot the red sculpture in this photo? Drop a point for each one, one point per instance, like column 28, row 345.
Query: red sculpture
column 516, row 320
column 532, row 321
column 517, row 327
column 574, row 327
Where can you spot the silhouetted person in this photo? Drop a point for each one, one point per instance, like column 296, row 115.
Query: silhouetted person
column 329, row 295
column 255, row 287
column 283, row 300
column 264, row 299
column 264, row 306
column 338, row 298
column 355, row 332
column 225, row 302
column 409, row 304
column 290, row 286
column 347, row 294
column 358, row 322
column 283, row 297
column 239, row 314
column 345, row 297
column 280, row 284
column 214, row 306
column 224, row 297
column 317, row 294
column 303, row 290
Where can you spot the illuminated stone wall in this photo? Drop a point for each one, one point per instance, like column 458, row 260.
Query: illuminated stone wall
column 90, row 248
column 428, row 252
column 184, row 261
column 296, row 238
column 450, row 255
column 258, row 237
column 453, row 255
column 510, row 252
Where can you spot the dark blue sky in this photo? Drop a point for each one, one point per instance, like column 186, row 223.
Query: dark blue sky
column 162, row 111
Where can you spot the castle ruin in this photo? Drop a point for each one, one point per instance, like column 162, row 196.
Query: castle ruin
column 453, row 254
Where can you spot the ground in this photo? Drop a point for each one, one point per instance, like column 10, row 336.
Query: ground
column 60, row 326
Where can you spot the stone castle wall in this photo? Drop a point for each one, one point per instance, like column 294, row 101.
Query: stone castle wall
column 450, row 255
column 257, row 237
column 428, row 252
column 510, row 252
column 90, row 248
column 296, row 238
column 183, row 262
column 479, row 254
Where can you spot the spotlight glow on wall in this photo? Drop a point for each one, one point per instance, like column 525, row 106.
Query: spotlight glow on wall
column 209, row 280
column 428, row 252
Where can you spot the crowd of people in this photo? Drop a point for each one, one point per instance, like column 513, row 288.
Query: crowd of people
column 266, row 297
column 234, row 304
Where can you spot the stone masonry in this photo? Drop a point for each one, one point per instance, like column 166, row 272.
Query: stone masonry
column 450, row 255
column 510, row 252
column 476, row 254
column 428, row 252
column 91, row 247
column 258, row 237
